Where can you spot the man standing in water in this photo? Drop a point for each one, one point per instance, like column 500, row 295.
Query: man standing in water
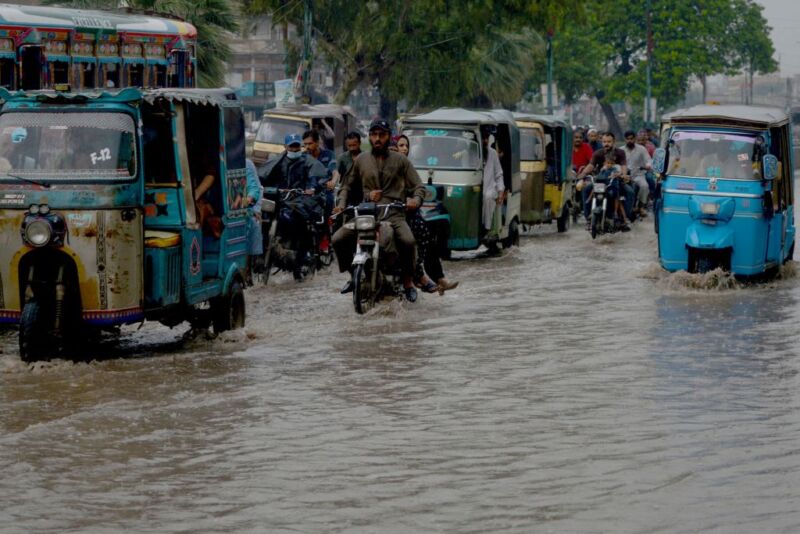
column 494, row 190
column 384, row 176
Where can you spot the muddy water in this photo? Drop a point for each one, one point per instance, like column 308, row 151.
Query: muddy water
column 568, row 386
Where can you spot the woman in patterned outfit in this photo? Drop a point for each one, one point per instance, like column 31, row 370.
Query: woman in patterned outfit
column 429, row 265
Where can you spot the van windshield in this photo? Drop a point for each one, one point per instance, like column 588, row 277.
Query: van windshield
column 275, row 130
column 442, row 148
column 715, row 155
column 67, row 146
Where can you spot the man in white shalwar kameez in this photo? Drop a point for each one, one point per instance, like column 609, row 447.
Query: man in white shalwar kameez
column 493, row 188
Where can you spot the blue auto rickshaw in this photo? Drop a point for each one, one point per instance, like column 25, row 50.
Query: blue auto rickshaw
column 118, row 207
column 725, row 197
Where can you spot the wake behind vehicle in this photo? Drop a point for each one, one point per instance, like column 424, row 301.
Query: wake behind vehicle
column 548, row 181
column 446, row 147
column 726, row 194
column 333, row 123
column 97, row 198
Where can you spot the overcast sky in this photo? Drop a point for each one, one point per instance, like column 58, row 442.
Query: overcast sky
column 784, row 17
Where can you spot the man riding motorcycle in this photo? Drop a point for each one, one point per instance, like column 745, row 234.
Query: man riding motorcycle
column 296, row 170
column 385, row 177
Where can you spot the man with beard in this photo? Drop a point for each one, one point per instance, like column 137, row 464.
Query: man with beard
column 384, row 176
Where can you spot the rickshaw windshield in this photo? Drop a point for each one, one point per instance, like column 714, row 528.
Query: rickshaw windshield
column 67, row 146
column 531, row 144
column 447, row 149
column 275, row 130
column 715, row 155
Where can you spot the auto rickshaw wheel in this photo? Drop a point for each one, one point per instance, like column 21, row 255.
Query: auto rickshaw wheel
column 513, row 235
column 228, row 311
column 35, row 342
column 562, row 223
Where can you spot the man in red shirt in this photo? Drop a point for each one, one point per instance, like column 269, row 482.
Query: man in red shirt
column 581, row 152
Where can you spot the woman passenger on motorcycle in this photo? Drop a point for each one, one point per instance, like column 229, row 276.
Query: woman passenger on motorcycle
column 427, row 243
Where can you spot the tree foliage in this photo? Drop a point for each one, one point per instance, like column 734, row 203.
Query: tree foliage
column 212, row 18
column 605, row 54
column 429, row 52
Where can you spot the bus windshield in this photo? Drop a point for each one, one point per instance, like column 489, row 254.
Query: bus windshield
column 447, row 149
column 715, row 155
column 274, row 130
column 67, row 146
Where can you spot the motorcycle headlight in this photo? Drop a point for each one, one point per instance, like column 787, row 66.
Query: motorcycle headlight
column 365, row 222
column 38, row 233
column 268, row 206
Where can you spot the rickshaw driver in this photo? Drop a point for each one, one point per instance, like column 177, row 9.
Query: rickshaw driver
column 388, row 176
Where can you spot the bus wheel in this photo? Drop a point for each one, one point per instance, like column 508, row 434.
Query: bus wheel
column 228, row 311
column 35, row 342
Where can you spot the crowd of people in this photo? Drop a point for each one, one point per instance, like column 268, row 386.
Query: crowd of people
column 331, row 184
column 626, row 170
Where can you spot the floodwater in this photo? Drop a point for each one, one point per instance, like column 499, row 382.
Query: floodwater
column 567, row 386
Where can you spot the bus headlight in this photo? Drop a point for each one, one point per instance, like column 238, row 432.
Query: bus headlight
column 38, row 233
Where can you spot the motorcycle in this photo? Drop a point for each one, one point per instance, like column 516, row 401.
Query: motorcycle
column 375, row 272
column 601, row 221
column 281, row 248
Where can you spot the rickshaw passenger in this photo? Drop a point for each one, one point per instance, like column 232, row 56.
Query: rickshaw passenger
column 493, row 187
column 209, row 221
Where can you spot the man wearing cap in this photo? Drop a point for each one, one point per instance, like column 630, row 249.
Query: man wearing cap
column 297, row 170
column 385, row 177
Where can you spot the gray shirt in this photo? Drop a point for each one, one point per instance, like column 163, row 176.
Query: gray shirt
column 637, row 158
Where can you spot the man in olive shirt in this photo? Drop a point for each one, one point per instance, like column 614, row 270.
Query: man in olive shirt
column 385, row 177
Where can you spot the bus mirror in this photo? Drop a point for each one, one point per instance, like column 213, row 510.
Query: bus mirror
column 659, row 159
column 770, row 164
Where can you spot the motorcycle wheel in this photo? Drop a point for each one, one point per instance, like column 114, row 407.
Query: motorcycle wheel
column 595, row 225
column 363, row 294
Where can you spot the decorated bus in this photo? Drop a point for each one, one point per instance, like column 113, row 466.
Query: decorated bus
column 49, row 47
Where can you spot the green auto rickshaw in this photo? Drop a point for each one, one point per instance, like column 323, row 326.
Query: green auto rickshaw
column 447, row 151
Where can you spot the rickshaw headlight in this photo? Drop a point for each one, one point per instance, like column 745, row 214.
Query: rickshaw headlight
column 38, row 233
column 709, row 208
column 365, row 222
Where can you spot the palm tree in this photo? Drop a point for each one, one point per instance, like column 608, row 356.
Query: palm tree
column 212, row 18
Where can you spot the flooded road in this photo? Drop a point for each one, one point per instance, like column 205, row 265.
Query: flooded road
column 568, row 386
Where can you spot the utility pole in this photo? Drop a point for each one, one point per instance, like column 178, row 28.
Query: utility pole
column 647, row 117
column 550, row 71
column 306, row 61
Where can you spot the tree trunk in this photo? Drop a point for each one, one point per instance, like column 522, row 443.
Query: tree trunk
column 611, row 118
column 705, row 91
column 388, row 108
column 350, row 81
